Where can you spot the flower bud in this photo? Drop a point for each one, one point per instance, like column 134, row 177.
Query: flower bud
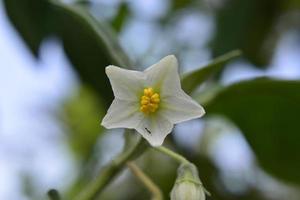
column 187, row 185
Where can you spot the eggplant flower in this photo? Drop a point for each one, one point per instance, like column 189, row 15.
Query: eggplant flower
column 149, row 101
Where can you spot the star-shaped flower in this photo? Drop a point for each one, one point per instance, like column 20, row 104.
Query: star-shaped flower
column 149, row 101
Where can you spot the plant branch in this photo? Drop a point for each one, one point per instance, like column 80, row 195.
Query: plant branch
column 112, row 169
column 150, row 185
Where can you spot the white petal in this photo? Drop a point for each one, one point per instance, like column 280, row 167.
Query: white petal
column 122, row 114
column 164, row 76
column 180, row 107
column 126, row 84
column 155, row 129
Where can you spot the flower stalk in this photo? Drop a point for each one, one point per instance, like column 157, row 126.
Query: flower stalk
column 177, row 157
column 149, row 184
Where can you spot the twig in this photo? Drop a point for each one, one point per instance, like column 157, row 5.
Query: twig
column 150, row 185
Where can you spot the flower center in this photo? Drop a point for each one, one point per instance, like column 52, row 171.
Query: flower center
column 149, row 101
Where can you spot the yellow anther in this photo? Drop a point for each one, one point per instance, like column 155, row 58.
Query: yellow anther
column 143, row 108
column 145, row 98
column 155, row 96
column 148, row 92
column 144, row 102
column 149, row 101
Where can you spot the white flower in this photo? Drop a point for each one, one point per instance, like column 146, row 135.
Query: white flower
column 151, row 101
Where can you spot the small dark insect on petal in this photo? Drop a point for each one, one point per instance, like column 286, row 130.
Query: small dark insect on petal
column 148, row 130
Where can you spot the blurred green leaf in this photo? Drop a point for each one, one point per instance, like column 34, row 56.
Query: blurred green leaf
column 247, row 25
column 121, row 17
column 53, row 194
column 32, row 20
column 91, row 46
column 267, row 112
column 177, row 4
column 82, row 114
column 192, row 80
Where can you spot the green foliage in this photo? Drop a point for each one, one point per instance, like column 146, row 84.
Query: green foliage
column 53, row 194
column 81, row 115
column 267, row 112
column 90, row 45
column 177, row 4
column 121, row 17
column 31, row 18
column 194, row 79
column 247, row 25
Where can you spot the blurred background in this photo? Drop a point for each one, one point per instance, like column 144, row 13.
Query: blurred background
column 52, row 90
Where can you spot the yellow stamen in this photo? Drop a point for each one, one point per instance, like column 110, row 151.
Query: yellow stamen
column 149, row 101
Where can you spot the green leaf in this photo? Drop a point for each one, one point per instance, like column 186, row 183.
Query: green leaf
column 248, row 25
column 90, row 45
column 81, row 115
column 53, row 194
column 31, row 18
column 192, row 80
column 119, row 20
column 267, row 112
column 178, row 4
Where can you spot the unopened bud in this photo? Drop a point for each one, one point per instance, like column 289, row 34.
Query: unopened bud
column 188, row 185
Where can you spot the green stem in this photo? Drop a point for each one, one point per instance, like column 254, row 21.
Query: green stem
column 179, row 158
column 150, row 185
column 110, row 171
